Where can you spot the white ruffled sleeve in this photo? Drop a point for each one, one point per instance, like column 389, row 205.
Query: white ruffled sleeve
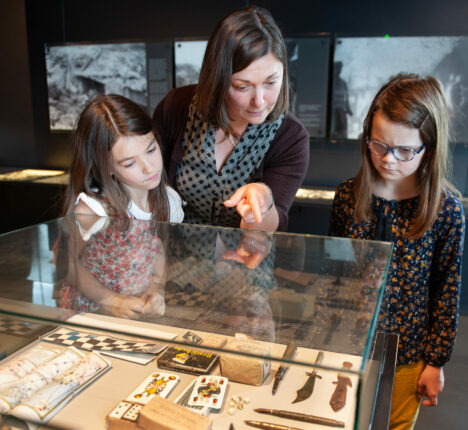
column 175, row 205
column 96, row 206
column 98, row 209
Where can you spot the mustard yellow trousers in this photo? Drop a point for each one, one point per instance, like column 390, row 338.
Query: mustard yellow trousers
column 405, row 399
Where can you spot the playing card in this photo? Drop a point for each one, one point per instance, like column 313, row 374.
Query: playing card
column 184, row 398
column 157, row 384
column 209, row 391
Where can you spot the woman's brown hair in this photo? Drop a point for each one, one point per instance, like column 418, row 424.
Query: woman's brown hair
column 416, row 102
column 239, row 39
column 99, row 126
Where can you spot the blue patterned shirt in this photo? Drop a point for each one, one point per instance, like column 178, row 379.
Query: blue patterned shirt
column 423, row 284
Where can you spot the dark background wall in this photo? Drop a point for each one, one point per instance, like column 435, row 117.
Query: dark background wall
column 17, row 141
column 24, row 128
column 25, row 139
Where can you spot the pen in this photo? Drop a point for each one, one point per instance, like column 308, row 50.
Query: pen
column 288, row 353
column 269, row 426
column 301, row 417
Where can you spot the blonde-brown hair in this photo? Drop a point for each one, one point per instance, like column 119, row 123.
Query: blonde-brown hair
column 416, row 102
column 100, row 124
column 239, row 39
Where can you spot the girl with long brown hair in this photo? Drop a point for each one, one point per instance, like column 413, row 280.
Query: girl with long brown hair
column 402, row 195
column 117, row 167
column 117, row 263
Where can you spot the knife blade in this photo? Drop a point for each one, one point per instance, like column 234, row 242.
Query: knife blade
column 288, row 353
column 306, row 391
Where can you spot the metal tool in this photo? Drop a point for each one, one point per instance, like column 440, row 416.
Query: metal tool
column 306, row 391
column 269, row 426
column 288, row 353
column 338, row 398
column 301, row 417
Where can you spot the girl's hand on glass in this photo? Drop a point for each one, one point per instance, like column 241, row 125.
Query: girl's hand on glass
column 252, row 201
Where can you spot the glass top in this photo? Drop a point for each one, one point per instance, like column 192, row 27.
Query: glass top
column 163, row 280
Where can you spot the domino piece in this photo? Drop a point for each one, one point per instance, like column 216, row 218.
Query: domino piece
column 119, row 411
column 132, row 413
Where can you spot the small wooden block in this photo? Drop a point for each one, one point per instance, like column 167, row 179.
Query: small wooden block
column 165, row 415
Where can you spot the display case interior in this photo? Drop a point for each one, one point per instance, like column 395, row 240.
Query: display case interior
column 275, row 322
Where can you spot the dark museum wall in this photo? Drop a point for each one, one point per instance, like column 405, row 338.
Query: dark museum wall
column 17, row 141
column 28, row 24
column 26, row 139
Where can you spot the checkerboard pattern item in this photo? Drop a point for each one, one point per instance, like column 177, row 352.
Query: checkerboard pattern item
column 100, row 342
column 18, row 327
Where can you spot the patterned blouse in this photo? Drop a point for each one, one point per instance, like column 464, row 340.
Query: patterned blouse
column 424, row 279
column 204, row 189
column 120, row 259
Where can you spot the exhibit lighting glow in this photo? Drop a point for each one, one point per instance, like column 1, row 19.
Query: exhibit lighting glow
column 30, row 174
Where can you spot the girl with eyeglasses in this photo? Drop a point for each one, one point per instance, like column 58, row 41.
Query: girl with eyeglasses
column 402, row 195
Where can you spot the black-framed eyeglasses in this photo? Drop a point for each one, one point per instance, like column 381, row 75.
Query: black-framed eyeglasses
column 401, row 153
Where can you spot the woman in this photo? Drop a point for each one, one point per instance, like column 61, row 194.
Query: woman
column 231, row 149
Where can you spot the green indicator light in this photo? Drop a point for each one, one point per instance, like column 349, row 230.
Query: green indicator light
column 387, row 36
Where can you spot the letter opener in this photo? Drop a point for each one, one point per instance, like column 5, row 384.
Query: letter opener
column 288, row 353
column 301, row 417
column 269, row 426
column 306, row 391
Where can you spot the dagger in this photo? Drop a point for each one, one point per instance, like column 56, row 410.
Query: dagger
column 306, row 391
column 290, row 350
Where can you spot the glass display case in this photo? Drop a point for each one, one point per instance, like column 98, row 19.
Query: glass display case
column 288, row 323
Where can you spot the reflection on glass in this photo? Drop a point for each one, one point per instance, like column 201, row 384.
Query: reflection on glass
column 318, row 292
column 112, row 266
column 223, row 278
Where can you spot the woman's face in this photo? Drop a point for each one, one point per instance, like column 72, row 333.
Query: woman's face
column 254, row 91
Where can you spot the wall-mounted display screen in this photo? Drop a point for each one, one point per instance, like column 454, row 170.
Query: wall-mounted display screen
column 188, row 59
column 363, row 64
column 308, row 63
column 78, row 73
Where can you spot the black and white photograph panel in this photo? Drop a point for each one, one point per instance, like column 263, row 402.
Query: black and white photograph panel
column 361, row 65
column 188, row 59
column 160, row 72
column 308, row 64
column 76, row 74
